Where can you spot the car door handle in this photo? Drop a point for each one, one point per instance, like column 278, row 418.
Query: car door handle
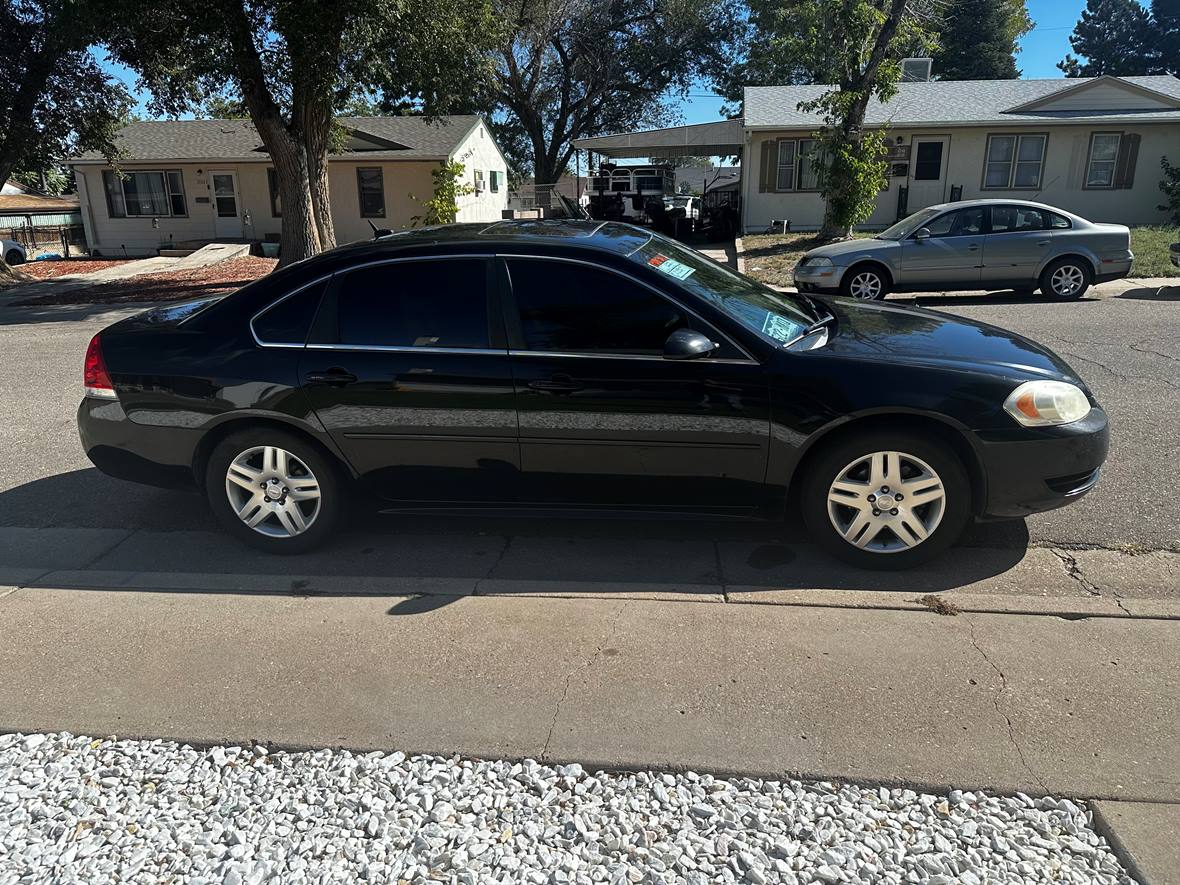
column 974, row 247
column 555, row 384
column 1042, row 242
column 332, row 377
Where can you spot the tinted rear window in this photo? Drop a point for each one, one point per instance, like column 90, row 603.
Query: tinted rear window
column 288, row 320
column 439, row 303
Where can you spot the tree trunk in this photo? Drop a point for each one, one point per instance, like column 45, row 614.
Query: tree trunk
column 10, row 276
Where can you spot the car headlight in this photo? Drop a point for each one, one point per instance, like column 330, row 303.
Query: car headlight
column 816, row 261
column 1045, row 403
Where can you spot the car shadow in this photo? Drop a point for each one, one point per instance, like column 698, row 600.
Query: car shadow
column 98, row 533
column 1153, row 293
column 1000, row 296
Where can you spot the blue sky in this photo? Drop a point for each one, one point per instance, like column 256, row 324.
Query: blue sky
column 1040, row 50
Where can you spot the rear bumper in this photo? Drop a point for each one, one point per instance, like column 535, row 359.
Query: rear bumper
column 158, row 456
column 1030, row 471
column 1114, row 268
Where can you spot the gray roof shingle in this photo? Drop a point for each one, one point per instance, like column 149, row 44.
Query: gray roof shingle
column 948, row 101
column 411, row 138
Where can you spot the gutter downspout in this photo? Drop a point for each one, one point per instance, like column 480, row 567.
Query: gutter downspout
column 87, row 209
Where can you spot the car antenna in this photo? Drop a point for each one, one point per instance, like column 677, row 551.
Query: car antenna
column 379, row 232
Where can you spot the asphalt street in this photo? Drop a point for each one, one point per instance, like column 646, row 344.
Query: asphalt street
column 1126, row 346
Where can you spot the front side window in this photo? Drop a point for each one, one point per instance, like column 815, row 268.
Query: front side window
column 439, row 303
column 1104, row 155
column 370, row 185
column 1014, row 161
column 576, row 308
column 1012, row 219
column 138, row 194
column 962, row 223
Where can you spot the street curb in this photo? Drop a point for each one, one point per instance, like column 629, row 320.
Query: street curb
column 1072, row 608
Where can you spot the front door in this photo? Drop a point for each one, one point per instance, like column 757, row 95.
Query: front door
column 227, row 220
column 605, row 419
column 408, row 371
column 927, row 185
column 1017, row 243
column 952, row 254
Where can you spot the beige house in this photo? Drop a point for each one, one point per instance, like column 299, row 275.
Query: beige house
column 1091, row 146
column 191, row 182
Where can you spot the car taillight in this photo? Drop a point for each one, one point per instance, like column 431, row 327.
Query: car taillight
column 95, row 376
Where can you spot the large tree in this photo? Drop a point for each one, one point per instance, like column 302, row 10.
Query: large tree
column 293, row 64
column 977, row 39
column 1112, row 37
column 572, row 68
column 1165, row 18
column 55, row 100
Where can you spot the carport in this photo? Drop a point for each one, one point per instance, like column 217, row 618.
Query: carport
column 721, row 139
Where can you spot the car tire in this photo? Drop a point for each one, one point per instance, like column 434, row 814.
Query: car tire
column 14, row 257
column 840, row 517
column 285, row 523
column 865, row 283
column 1066, row 279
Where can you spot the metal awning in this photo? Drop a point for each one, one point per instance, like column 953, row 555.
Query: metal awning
column 721, row 139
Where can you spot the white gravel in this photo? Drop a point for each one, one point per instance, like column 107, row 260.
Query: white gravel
column 74, row 809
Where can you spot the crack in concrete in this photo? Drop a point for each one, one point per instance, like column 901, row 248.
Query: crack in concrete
column 495, row 565
column 1116, row 374
column 1074, row 570
column 1134, row 549
column 996, row 703
column 1139, row 348
column 610, row 633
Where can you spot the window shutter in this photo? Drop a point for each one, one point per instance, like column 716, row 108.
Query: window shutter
column 767, row 169
column 1124, row 176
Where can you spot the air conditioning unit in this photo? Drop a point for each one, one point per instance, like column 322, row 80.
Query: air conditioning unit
column 916, row 70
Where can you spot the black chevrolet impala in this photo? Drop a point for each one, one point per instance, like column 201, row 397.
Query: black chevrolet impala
column 581, row 365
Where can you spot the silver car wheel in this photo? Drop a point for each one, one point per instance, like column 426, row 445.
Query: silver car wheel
column 865, row 285
column 273, row 492
column 886, row 502
column 1067, row 279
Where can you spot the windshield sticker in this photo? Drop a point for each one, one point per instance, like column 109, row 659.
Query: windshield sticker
column 671, row 267
column 778, row 328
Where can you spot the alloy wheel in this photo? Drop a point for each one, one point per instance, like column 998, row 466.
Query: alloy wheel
column 886, row 502
column 273, row 492
column 1067, row 279
column 865, row 285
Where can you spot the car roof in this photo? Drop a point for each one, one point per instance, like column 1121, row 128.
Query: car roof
column 994, row 201
column 608, row 236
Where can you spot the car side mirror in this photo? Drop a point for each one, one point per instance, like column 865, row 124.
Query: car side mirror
column 685, row 344
column 922, row 233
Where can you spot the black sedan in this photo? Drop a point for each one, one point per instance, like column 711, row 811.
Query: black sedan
column 587, row 365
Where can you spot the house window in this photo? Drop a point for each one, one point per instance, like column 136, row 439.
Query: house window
column 796, row 165
column 1103, row 159
column 785, row 180
column 494, row 181
column 479, row 181
column 808, row 165
column 150, row 194
column 1014, row 162
column 276, row 201
column 371, row 187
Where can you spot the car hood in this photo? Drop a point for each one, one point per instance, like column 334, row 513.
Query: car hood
column 849, row 247
column 875, row 331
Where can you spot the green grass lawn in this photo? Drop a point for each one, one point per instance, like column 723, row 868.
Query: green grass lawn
column 772, row 257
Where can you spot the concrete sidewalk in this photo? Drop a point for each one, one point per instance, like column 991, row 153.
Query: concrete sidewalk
column 1041, row 705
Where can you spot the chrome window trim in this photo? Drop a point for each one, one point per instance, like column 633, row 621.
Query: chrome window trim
column 276, row 303
column 628, row 356
column 749, row 360
column 396, row 348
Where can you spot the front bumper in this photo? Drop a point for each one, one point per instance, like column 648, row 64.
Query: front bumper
column 143, row 453
column 817, row 279
column 1030, row 470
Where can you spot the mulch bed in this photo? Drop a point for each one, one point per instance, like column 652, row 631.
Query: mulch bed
column 216, row 279
column 46, row 270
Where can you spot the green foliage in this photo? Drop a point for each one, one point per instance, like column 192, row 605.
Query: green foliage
column 443, row 206
column 54, row 180
column 1171, row 188
column 572, row 68
column 1112, row 37
column 977, row 39
column 851, row 176
column 55, row 100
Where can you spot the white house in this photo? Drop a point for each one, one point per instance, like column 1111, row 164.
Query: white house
column 190, row 182
column 1091, row 146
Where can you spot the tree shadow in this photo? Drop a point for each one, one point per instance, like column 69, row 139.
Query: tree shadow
column 998, row 296
column 1153, row 293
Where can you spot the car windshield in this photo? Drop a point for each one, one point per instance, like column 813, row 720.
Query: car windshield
column 780, row 317
column 907, row 225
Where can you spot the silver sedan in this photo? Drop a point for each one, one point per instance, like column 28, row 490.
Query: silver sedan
column 975, row 244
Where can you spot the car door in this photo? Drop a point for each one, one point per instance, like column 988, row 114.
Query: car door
column 1015, row 246
column 408, row 370
column 950, row 256
column 605, row 419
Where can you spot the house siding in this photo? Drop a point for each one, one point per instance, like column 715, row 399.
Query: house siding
column 478, row 151
column 1062, row 179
